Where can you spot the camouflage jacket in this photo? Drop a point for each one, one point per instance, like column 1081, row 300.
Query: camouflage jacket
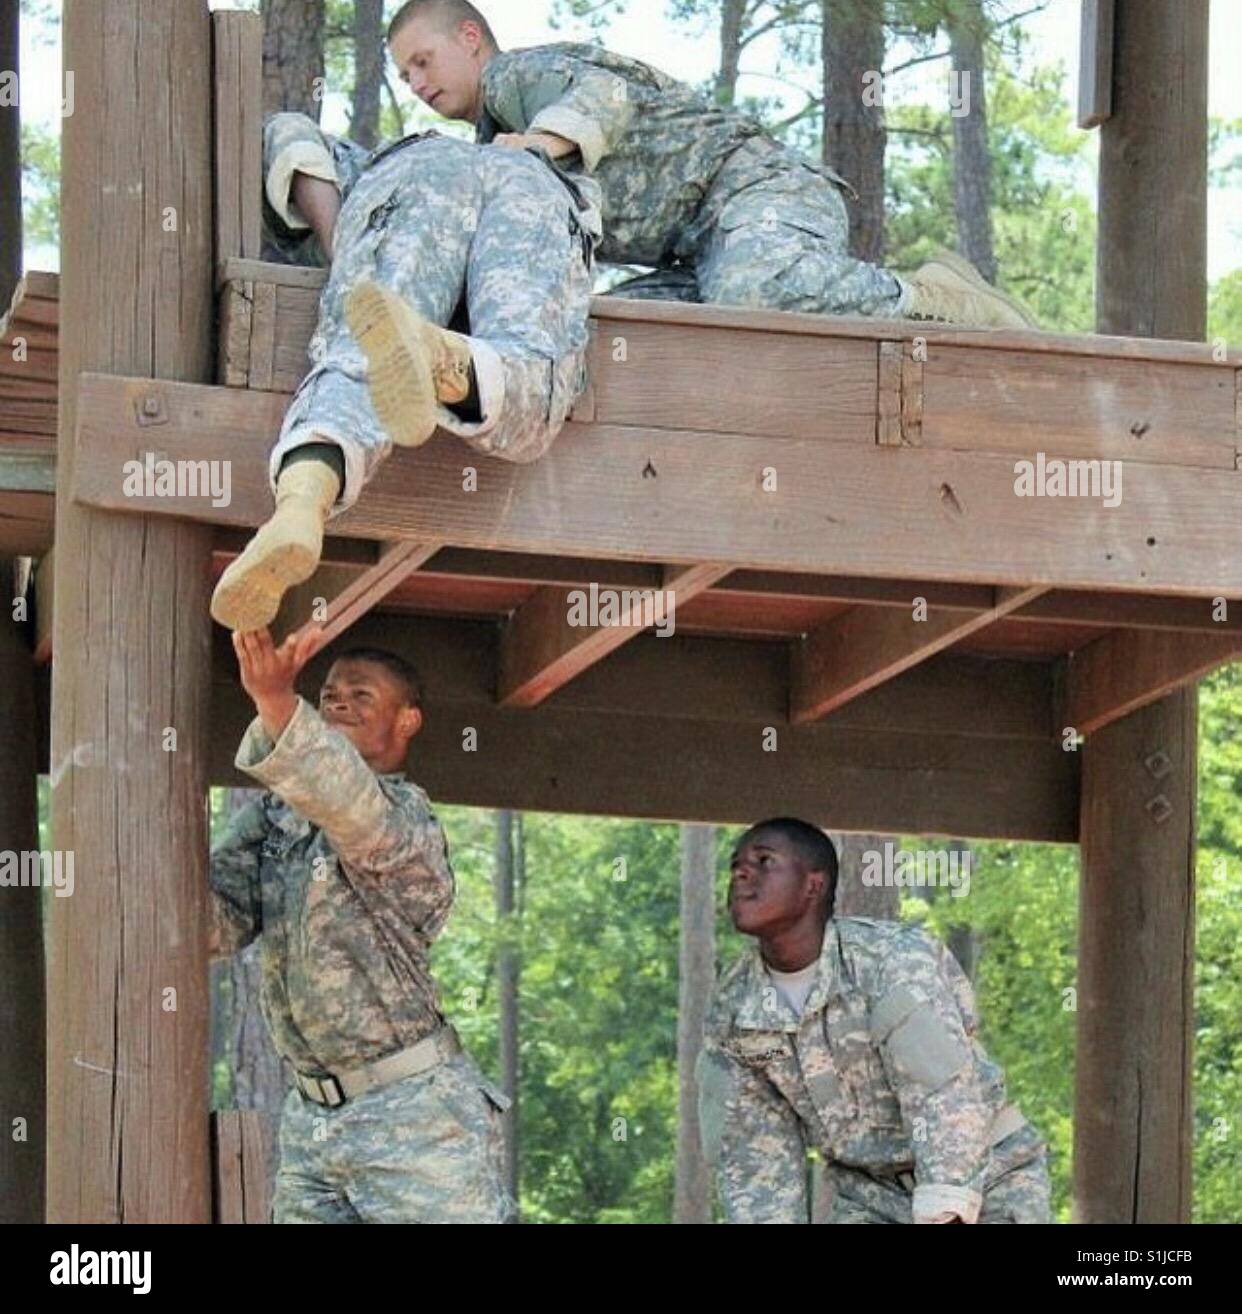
column 882, row 1073
column 294, row 143
column 345, row 875
column 654, row 143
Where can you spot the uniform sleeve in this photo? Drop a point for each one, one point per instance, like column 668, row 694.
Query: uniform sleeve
column 533, row 91
column 294, row 143
column 928, row 1054
column 235, row 898
column 324, row 778
column 752, row 1141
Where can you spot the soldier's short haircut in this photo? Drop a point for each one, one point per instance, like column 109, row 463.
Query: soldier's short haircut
column 401, row 670
column 449, row 13
column 814, row 849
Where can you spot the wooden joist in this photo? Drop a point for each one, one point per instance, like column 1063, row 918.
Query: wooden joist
column 548, row 642
column 868, row 646
column 1126, row 670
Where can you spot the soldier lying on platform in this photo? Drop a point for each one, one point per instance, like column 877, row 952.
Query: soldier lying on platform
column 413, row 232
column 855, row 1037
column 699, row 192
column 343, row 871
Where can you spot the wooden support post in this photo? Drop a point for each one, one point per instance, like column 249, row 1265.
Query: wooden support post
column 1132, row 1101
column 1132, row 1097
column 22, row 1152
column 128, row 1005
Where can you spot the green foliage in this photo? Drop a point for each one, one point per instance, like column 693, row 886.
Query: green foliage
column 40, row 186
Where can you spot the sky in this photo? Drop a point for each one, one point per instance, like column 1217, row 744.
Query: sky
column 645, row 32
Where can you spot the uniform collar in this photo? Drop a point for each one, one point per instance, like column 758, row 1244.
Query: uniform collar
column 752, row 1015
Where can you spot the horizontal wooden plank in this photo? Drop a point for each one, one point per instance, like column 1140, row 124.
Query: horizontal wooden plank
column 931, row 336
column 662, row 376
column 664, row 496
column 268, row 271
column 1124, row 671
column 1074, row 406
column 569, row 760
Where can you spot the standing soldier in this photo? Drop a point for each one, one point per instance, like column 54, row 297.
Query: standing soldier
column 699, row 192
column 417, row 232
column 343, row 871
column 854, row 1037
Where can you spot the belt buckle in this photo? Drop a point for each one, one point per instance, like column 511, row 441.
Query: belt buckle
column 322, row 1090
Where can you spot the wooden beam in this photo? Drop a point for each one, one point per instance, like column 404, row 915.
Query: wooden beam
column 696, row 678
column 244, row 1150
column 1133, row 1092
column 237, row 49
column 127, row 987
column 544, row 647
column 582, row 755
column 868, row 646
column 44, row 606
column 1095, row 63
column 624, row 492
column 1133, row 1105
column 1125, row 670
column 23, row 1159
column 374, row 584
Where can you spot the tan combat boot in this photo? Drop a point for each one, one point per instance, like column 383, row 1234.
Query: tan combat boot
column 284, row 552
column 412, row 363
column 950, row 289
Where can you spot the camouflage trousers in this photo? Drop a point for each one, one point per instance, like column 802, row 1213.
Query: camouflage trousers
column 1016, row 1188
column 772, row 232
column 427, row 1149
column 444, row 223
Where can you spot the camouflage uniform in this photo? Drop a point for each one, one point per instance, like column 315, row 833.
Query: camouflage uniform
column 882, row 1074
column 437, row 219
column 346, row 877
column 690, row 187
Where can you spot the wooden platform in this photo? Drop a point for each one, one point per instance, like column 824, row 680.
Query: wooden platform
column 799, row 483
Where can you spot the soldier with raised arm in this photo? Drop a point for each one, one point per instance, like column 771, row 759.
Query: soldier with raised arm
column 342, row 872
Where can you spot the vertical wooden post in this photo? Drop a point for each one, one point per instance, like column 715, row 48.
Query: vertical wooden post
column 128, row 1008
column 21, row 932
column 1132, row 1102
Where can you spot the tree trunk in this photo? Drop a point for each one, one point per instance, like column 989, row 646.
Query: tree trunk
column 10, row 162
column 692, row 1196
column 508, row 968
column 972, row 164
column 854, row 132
column 854, row 899
column 293, row 67
column 732, row 21
column 22, row 1087
column 368, row 71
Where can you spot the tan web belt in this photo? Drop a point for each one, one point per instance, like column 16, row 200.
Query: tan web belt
column 332, row 1089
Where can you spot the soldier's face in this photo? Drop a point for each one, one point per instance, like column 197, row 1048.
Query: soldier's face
column 770, row 888
column 367, row 705
column 441, row 68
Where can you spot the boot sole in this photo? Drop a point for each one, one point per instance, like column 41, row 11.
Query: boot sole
column 251, row 598
column 398, row 363
column 964, row 269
